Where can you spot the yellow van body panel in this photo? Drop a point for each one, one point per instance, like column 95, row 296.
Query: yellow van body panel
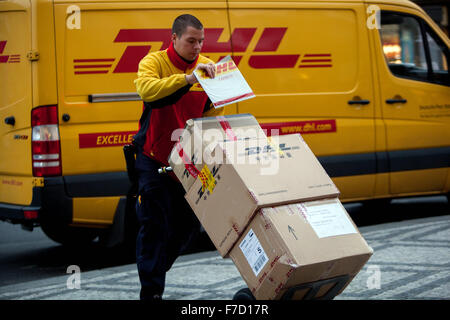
column 419, row 181
column 96, row 131
column 310, row 77
column 16, row 183
column 86, row 211
column 422, row 123
column 315, row 67
column 17, row 189
column 15, row 88
column 43, row 43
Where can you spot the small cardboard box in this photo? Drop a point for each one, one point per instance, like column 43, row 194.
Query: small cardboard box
column 243, row 176
column 202, row 134
column 299, row 243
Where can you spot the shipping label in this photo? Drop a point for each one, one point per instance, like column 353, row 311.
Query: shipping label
column 327, row 218
column 253, row 252
column 208, row 181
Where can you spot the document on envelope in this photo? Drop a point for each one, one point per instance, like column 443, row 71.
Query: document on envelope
column 228, row 86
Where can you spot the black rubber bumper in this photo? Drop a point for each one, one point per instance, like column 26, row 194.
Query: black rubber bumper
column 56, row 205
column 51, row 201
column 16, row 213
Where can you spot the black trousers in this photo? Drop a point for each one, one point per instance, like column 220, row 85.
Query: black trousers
column 167, row 225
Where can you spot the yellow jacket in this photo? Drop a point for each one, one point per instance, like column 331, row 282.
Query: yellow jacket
column 162, row 85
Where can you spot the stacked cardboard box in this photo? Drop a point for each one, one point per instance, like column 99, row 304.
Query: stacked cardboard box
column 269, row 205
column 299, row 243
column 200, row 135
column 254, row 174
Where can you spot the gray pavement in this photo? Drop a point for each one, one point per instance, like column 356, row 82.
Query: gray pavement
column 411, row 261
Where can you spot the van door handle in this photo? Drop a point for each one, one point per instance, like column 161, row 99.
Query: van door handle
column 10, row 120
column 363, row 102
column 392, row 101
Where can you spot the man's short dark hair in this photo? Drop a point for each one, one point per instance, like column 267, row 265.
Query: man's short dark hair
column 182, row 22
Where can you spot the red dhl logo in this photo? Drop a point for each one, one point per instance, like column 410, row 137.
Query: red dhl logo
column 239, row 42
column 13, row 58
column 222, row 69
column 225, row 67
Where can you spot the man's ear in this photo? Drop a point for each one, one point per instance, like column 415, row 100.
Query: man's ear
column 174, row 37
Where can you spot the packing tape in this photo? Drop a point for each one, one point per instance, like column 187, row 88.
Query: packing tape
column 187, row 162
column 227, row 128
column 206, row 177
column 275, row 146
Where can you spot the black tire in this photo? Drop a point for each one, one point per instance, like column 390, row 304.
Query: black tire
column 244, row 295
column 373, row 211
column 121, row 235
column 69, row 236
column 131, row 226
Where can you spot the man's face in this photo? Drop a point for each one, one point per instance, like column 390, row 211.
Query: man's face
column 190, row 43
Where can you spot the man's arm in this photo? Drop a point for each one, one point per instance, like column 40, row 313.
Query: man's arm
column 151, row 86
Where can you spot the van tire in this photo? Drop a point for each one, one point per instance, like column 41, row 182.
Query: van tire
column 69, row 236
column 130, row 227
column 122, row 234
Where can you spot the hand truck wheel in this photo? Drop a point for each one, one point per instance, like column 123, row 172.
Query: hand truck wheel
column 244, row 295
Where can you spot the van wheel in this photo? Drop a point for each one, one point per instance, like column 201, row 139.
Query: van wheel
column 121, row 235
column 130, row 227
column 69, row 236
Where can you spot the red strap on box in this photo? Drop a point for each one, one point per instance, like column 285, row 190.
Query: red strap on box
column 187, row 162
column 227, row 128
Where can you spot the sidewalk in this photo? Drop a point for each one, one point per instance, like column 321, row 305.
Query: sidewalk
column 411, row 261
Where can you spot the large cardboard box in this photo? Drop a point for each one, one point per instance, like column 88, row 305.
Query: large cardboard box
column 243, row 176
column 294, row 244
column 201, row 135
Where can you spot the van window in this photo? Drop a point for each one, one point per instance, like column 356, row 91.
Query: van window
column 408, row 54
column 439, row 58
column 403, row 46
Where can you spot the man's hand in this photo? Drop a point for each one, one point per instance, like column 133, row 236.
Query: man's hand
column 209, row 69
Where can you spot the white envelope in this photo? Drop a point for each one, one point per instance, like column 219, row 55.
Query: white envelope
column 228, row 86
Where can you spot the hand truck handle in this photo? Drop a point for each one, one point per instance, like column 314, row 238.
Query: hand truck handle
column 164, row 170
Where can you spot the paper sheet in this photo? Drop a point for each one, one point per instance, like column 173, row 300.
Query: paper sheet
column 228, row 86
column 327, row 219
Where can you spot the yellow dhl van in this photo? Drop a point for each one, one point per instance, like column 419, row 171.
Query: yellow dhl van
column 365, row 82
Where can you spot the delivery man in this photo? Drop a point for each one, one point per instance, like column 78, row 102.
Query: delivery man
column 166, row 84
